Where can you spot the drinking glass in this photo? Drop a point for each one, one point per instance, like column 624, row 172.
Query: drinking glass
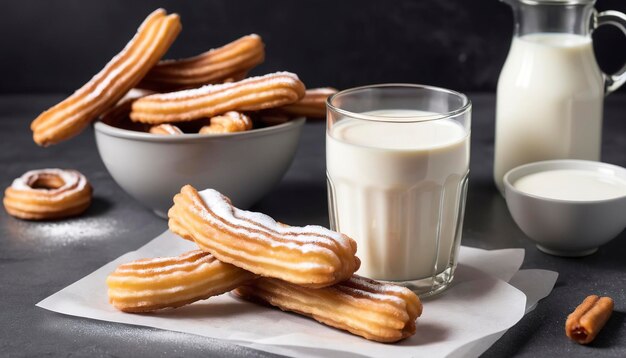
column 397, row 158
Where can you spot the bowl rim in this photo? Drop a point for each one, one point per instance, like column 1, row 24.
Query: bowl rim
column 546, row 165
column 101, row 127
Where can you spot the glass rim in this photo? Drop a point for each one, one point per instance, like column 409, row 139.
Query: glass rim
column 466, row 104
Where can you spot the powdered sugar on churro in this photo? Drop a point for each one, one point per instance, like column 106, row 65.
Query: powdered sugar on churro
column 272, row 78
column 183, row 262
column 73, row 181
column 360, row 286
column 255, row 225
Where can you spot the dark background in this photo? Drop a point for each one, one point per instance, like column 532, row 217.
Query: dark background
column 57, row 45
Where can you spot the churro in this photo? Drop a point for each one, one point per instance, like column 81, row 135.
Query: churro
column 229, row 62
column 584, row 324
column 165, row 129
column 123, row 72
column 153, row 284
column 312, row 105
column 311, row 256
column 377, row 311
column 250, row 94
column 47, row 194
column 227, row 123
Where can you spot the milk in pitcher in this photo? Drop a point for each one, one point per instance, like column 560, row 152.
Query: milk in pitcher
column 549, row 106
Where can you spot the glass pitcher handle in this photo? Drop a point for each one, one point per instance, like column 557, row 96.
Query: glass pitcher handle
column 617, row 19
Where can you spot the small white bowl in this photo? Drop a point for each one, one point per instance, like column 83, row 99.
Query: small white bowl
column 152, row 168
column 566, row 227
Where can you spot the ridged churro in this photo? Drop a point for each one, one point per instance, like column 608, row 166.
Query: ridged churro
column 311, row 256
column 123, row 72
column 153, row 284
column 250, row 94
column 47, row 194
column 228, row 122
column 312, row 105
column 229, row 62
column 377, row 311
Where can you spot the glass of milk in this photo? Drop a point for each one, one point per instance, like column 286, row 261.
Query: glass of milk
column 397, row 160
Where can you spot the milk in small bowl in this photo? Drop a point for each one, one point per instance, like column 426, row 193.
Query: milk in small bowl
column 397, row 161
column 568, row 207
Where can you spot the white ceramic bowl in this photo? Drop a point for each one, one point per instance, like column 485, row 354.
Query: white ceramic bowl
column 152, row 168
column 566, row 227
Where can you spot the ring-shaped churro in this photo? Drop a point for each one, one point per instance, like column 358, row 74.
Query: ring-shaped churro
column 48, row 194
column 311, row 256
column 123, row 72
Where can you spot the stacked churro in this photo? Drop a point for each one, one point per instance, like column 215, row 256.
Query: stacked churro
column 198, row 89
column 308, row 270
column 152, row 284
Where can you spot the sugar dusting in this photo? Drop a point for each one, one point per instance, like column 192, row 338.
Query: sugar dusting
column 63, row 233
column 73, row 181
column 256, row 224
column 372, row 289
column 272, row 78
column 185, row 262
column 242, row 120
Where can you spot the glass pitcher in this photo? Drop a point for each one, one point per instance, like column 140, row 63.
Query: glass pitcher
column 551, row 90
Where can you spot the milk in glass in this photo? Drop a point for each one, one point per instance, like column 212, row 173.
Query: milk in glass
column 396, row 188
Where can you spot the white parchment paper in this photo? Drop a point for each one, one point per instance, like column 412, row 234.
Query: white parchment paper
column 464, row 321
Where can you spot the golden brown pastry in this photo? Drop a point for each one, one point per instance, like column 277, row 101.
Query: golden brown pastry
column 227, row 63
column 378, row 311
column 48, row 194
column 312, row 105
column 165, row 129
column 584, row 324
column 250, row 94
column 228, row 122
column 122, row 73
column 153, row 284
column 311, row 256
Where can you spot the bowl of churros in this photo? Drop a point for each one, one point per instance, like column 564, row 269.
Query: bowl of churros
column 238, row 137
column 201, row 120
column 152, row 167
